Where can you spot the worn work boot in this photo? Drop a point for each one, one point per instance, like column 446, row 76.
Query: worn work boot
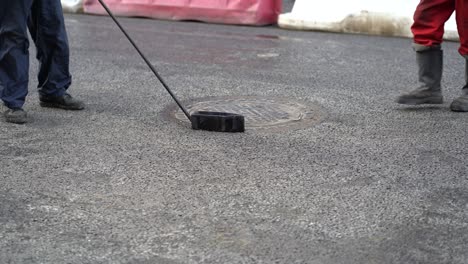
column 430, row 75
column 16, row 116
column 461, row 103
column 66, row 102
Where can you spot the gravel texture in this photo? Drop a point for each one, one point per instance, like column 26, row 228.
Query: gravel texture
column 373, row 182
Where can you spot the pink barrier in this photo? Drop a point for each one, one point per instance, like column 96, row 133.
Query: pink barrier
column 245, row 12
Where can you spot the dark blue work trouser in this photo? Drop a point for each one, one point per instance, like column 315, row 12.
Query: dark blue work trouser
column 44, row 18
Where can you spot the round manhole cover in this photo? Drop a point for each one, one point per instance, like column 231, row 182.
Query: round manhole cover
column 259, row 112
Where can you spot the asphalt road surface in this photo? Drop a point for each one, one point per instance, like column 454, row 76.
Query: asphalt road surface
column 125, row 182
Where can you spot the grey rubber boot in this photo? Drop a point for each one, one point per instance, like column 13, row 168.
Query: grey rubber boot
column 461, row 103
column 430, row 62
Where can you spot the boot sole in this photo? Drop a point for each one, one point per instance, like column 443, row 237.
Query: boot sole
column 19, row 120
column 430, row 100
column 54, row 105
column 455, row 107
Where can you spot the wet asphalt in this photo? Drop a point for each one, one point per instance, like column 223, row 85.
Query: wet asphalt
column 124, row 182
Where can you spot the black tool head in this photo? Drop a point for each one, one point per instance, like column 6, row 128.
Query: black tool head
column 217, row 121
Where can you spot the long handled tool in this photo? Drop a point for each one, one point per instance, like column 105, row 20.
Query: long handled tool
column 201, row 120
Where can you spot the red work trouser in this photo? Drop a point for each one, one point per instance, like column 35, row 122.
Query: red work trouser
column 430, row 17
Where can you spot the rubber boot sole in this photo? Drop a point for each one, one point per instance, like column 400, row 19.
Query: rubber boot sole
column 420, row 101
column 458, row 106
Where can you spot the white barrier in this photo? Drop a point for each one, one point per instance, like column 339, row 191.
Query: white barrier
column 377, row 17
column 72, row 6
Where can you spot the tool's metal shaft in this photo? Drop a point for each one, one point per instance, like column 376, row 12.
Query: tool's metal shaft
column 145, row 59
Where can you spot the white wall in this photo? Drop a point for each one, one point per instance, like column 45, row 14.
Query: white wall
column 389, row 17
column 72, row 6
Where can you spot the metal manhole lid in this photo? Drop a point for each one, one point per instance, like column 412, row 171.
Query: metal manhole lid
column 259, row 112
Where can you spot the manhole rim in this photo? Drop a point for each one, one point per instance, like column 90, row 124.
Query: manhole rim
column 314, row 113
